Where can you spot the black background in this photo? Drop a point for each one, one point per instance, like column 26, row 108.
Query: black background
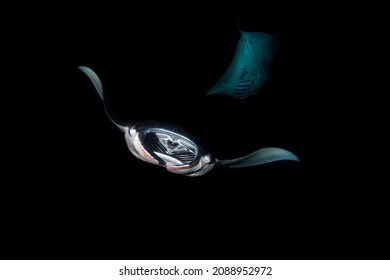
column 72, row 190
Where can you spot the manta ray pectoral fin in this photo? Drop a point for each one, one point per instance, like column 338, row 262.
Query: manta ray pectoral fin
column 94, row 79
column 99, row 88
column 249, row 68
column 262, row 156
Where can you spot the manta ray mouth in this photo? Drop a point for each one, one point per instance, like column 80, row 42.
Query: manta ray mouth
column 170, row 148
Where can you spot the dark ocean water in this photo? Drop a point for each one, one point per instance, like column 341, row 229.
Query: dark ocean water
column 72, row 190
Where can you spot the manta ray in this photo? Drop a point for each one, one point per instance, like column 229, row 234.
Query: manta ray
column 173, row 148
